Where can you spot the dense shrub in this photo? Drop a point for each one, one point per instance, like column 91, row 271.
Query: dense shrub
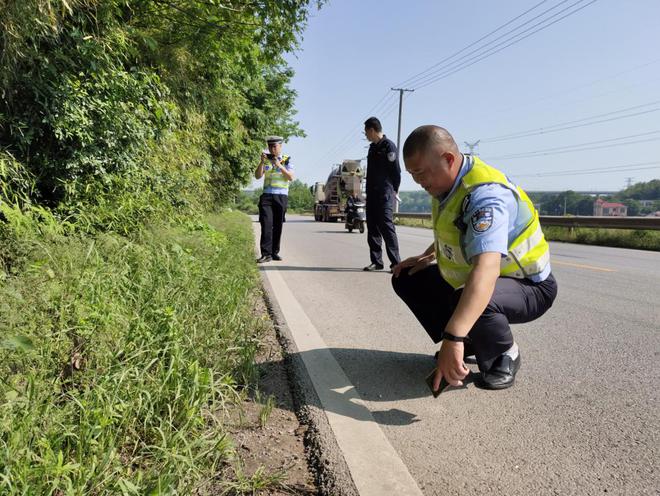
column 124, row 110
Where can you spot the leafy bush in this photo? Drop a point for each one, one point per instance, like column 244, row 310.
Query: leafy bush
column 300, row 197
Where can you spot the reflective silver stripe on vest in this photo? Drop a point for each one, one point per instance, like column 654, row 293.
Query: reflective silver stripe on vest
column 519, row 251
column 528, row 270
column 538, row 266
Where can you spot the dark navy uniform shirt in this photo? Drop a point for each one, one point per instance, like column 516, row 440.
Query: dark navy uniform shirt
column 383, row 170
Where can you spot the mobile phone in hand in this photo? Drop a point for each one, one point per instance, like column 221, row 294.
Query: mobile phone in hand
column 443, row 384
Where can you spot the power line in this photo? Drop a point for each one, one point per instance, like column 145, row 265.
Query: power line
column 599, row 170
column 416, row 76
column 346, row 140
column 356, row 127
column 579, row 147
column 449, row 70
column 353, row 138
column 558, row 127
column 384, row 114
column 433, row 71
column 586, row 85
column 488, row 45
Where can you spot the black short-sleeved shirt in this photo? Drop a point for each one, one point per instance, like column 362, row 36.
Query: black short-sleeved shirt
column 383, row 170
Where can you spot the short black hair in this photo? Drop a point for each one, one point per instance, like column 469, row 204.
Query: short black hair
column 373, row 123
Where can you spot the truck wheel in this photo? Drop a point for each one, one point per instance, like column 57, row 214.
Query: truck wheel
column 350, row 229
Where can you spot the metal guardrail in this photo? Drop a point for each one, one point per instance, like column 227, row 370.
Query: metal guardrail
column 651, row 223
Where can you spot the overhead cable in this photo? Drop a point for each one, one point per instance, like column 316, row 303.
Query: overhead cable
column 448, row 71
column 579, row 147
column 576, row 123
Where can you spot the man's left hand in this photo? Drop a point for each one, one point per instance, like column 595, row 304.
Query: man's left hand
column 450, row 365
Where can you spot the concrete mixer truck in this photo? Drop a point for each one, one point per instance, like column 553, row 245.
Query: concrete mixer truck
column 341, row 197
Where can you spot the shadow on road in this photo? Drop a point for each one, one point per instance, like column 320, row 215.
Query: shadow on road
column 371, row 375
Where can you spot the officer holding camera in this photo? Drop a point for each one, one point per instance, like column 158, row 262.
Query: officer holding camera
column 278, row 173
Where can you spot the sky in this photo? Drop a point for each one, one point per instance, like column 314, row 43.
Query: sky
column 569, row 105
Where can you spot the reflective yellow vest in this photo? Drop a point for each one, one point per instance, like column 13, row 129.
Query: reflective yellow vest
column 527, row 255
column 274, row 177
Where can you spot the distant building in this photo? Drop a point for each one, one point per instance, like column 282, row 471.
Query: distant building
column 604, row 208
column 646, row 203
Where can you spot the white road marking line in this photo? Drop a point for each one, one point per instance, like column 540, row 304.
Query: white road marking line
column 375, row 466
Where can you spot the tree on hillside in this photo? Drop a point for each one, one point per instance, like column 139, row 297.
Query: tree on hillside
column 642, row 191
column 300, row 197
column 104, row 98
column 415, row 201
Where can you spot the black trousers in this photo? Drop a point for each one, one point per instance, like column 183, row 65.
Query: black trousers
column 272, row 210
column 514, row 301
column 380, row 226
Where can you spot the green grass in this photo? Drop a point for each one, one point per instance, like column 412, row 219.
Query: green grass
column 620, row 238
column 266, row 409
column 118, row 357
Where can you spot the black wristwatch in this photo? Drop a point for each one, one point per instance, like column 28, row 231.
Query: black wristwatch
column 456, row 339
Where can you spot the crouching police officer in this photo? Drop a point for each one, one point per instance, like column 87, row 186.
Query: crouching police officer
column 278, row 172
column 493, row 262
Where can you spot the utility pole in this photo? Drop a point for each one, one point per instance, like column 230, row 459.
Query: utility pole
column 472, row 146
column 398, row 133
column 398, row 136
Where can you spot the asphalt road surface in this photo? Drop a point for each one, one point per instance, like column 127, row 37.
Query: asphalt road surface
column 582, row 418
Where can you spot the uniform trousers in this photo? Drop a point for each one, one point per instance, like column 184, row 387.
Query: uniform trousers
column 514, row 301
column 272, row 210
column 380, row 226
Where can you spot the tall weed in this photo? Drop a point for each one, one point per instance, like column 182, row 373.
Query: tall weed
column 115, row 354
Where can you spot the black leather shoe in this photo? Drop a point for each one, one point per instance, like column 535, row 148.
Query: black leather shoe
column 264, row 258
column 277, row 258
column 501, row 375
column 372, row 267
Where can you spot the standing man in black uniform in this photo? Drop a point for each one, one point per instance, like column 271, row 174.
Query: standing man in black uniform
column 277, row 171
column 383, row 180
